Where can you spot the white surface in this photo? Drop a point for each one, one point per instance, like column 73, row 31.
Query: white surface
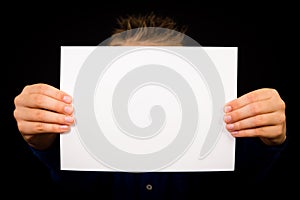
column 75, row 157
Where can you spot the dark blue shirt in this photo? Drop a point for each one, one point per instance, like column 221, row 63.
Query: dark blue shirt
column 253, row 166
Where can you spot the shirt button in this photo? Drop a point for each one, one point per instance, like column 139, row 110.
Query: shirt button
column 149, row 187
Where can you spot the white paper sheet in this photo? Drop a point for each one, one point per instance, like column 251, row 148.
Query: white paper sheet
column 143, row 109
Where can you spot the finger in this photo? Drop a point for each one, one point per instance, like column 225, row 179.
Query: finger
column 254, row 96
column 27, row 127
column 48, row 90
column 44, row 102
column 259, row 132
column 270, row 119
column 45, row 116
column 251, row 110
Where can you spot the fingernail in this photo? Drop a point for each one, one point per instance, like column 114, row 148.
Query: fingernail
column 69, row 119
column 67, row 99
column 229, row 126
column 64, row 127
column 68, row 110
column 227, row 118
column 227, row 109
column 234, row 132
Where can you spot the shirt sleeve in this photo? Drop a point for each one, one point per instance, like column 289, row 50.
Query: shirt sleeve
column 49, row 157
column 256, row 161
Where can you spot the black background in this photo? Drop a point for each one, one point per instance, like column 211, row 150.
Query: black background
column 263, row 36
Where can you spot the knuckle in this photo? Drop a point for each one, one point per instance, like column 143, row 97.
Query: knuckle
column 38, row 99
column 27, row 87
column 41, row 87
column 58, row 94
column 281, row 118
column 15, row 114
column 257, row 132
column 273, row 92
column 20, row 126
column 17, row 100
column 39, row 115
column 39, row 127
column 254, row 108
column 258, row 120
column 250, row 97
column 282, row 105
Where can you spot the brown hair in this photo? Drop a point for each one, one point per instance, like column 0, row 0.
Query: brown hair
column 150, row 28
